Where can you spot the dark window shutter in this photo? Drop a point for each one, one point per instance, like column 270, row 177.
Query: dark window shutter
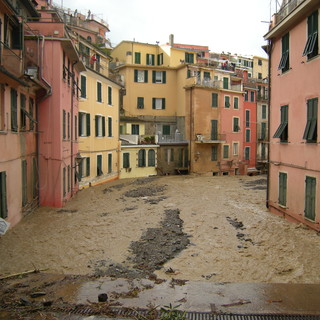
column 163, row 103
column 83, row 87
column 164, row 77
column 135, row 75
column 97, row 125
column 104, row 126
column 153, row 103
column 3, row 195
column 88, row 124
column 88, row 166
column 214, row 129
column 146, row 76
column 214, row 100
column 154, row 76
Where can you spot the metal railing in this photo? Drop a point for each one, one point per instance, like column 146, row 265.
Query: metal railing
column 171, row 138
column 11, row 59
column 287, row 9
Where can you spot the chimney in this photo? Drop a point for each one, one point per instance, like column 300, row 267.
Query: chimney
column 171, row 40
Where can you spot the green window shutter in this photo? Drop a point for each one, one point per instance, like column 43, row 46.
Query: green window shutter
column 141, row 158
column 226, row 152
column 214, row 153
column 263, row 130
column 153, row 103
column 146, row 76
column 97, row 125
column 140, row 102
column 109, row 162
column 103, row 126
column 264, row 111
column 166, row 129
column 154, row 76
column 34, row 178
column 64, row 124
column 225, row 83
column 99, row 165
column 214, row 100
column 3, row 195
column 99, row 92
column 88, row 124
column 227, row 102
column 135, row 75
column 236, row 103
column 80, row 123
column 64, row 181
column 164, row 77
column 126, row 160
column 110, row 96
column 83, row 87
column 188, row 73
column 137, row 57
column 247, row 135
column 14, row 110
column 214, row 129
column 235, row 124
column 282, row 188
column 151, row 158
column 109, row 127
column 147, row 59
column 247, row 118
column 88, row 166
column 310, row 198
column 163, row 103
column 24, row 182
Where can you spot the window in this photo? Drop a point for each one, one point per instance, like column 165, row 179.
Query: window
column 284, row 61
column 158, row 76
column 312, row 47
column 235, row 148
column 259, row 62
column 236, row 103
column 310, row 198
column 247, row 153
column 226, row 101
column 225, row 83
column 206, row 76
column 282, row 189
column 214, row 153
column 126, row 160
column 189, row 57
column 263, row 151
column 64, row 123
column 85, row 167
column 246, row 95
column 135, row 129
column 109, row 162
column 109, row 127
column 3, row 195
column 214, row 129
column 99, row 91
column 31, row 114
column 214, row 100
column 137, row 57
column 83, row 84
column 263, row 135
column 310, row 132
column 169, row 155
column 252, row 96
column 69, row 177
column 141, row 76
column 141, row 158
column 248, row 135
column 99, row 165
column 236, row 127
column 151, row 158
column 158, row 103
column 84, row 124
column 247, row 118
column 23, row 112
column 14, row 110
column 166, row 129
column 100, row 126
column 64, row 178
column 68, row 128
column 150, row 59
column 160, row 59
column 110, row 96
column 259, row 75
column 264, row 111
column 225, row 152
column 140, row 103
column 282, row 131
column 2, row 108
column 75, row 128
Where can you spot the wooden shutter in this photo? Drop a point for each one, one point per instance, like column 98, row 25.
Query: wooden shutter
column 88, row 166
column 83, row 87
column 126, row 160
column 163, row 103
column 214, row 129
column 153, row 103
column 146, row 76
column 24, row 182
column 88, row 123
column 164, row 76
column 104, row 126
column 97, row 125
column 3, row 195
column 282, row 188
column 154, row 74
column 109, row 95
column 135, row 75
column 151, row 158
column 109, row 163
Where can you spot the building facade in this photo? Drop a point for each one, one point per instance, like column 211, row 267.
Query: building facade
column 294, row 190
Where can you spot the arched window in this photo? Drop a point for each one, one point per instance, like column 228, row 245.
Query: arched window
column 142, row 158
column 151, row 158
column 89, row 38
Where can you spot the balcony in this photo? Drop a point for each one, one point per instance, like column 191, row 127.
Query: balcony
column 11, row 60
column 217, row 84
column 177, row 137
column 215, row 139
column 287, row 9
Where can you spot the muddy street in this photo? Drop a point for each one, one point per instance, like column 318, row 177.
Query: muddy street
column 188, row 227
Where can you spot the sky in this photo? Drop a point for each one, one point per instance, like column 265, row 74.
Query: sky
column 226, row 25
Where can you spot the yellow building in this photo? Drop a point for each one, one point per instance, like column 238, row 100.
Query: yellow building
column 260, row 67
column 98, row 118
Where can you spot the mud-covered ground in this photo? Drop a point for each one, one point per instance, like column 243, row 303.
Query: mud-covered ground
column 187, row 227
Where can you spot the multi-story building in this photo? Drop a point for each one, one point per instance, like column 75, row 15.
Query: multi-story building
column 20, row 92
column 99, row 99
column 294, row 170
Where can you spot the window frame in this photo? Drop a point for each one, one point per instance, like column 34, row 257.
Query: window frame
column 140, row 102
column 156, row 101
column 311, row 48
column 282, row 132
column 310, row 132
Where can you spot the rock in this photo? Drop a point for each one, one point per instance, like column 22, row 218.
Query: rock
column 102, row 297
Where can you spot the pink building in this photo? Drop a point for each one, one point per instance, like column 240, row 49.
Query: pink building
column 58, row 113
column 294, row 189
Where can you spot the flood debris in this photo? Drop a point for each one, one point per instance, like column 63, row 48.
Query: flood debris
column 145, row 191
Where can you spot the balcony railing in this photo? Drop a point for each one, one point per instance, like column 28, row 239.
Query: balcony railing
column 217, row 84
column 217, row 138
column 11, row 59
column 171, row 138
column 287, row 9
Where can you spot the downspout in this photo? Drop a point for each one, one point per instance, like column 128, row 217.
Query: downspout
column 49, row 92
column 191, row 127
column 73, row 167
column 269, row 107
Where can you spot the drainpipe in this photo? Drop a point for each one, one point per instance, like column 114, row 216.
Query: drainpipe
column 73, row 166
column 191, row 127
column 269, row 107
column 49, row 92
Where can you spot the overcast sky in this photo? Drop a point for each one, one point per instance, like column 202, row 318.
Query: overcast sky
column 231, row 25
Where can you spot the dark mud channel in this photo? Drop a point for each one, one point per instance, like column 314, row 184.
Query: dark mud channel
column 155, row 247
